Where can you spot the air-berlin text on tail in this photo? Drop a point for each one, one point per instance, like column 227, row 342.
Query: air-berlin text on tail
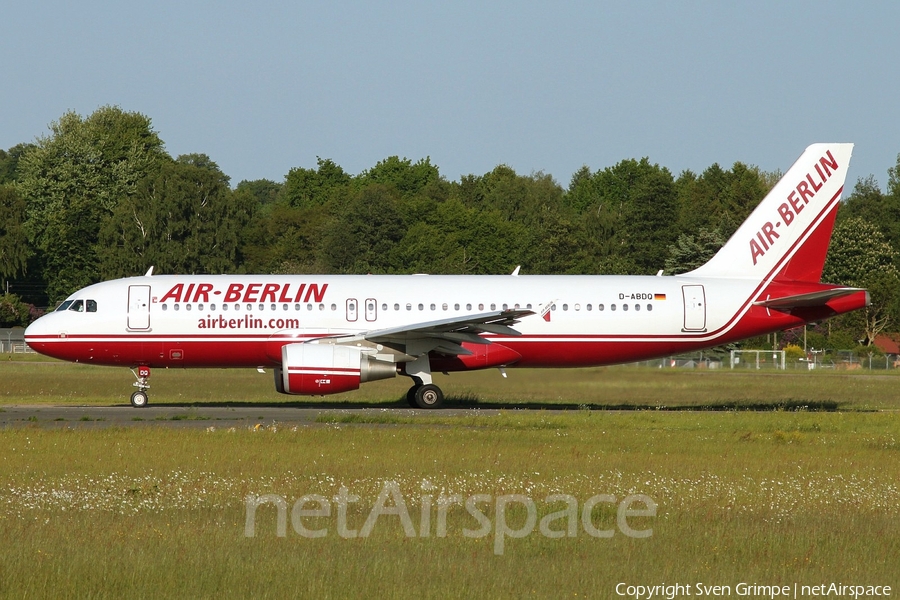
column 796, row 201
column 251, row 292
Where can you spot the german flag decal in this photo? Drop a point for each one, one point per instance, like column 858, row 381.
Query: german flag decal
column 659, row 296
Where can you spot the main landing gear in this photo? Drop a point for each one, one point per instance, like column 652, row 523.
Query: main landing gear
column 425, row 396
column 140, row 398
column 423, row 393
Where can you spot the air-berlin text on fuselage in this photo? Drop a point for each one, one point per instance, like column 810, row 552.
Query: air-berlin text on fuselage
column 796, row 201
column 251, row 292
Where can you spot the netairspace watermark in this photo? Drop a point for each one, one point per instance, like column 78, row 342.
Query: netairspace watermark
column 750, row 590
column 480, row 507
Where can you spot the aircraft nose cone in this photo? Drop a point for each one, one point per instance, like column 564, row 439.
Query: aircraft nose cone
column 37, row 333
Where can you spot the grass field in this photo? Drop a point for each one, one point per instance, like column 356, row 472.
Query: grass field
column 777, row 495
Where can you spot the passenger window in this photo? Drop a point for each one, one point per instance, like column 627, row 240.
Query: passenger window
column 165, row 307
column 600, row 307
column 212, row 307
column 577, row 307
column 612, row 307
column 649, row 307
column 637, row 307
column 624, row 307
column 588, row 307
column 468, row 307
column 200, row 306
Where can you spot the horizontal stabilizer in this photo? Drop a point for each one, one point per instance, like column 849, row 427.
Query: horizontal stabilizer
column 819, row 298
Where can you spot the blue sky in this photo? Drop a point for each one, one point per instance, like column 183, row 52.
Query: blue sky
column 266, row 86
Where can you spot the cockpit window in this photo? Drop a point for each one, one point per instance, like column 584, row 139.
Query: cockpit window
column 77, row 306
column 65, row 305
column 91, row 305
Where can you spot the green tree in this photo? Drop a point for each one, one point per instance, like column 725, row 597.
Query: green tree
column 868, row 202
column 14, row 247
column 13, row 312
column 361, row 237
column 408, row 178
column 183, row 218
column 582, row 192
column 458, row 239
column 719, row 199
column 305, row 188
column 73, row 179
column 860, row 256
column 264, row 191
column 9, row 163
column 640, row 204
column 693, row 251
column 285, row 239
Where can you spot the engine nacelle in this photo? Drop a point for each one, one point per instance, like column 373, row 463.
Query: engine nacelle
column 320, row 369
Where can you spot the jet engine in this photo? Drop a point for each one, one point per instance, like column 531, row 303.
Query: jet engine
column 319, row 369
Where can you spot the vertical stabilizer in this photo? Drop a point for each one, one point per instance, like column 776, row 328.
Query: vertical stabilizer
column 786, row 237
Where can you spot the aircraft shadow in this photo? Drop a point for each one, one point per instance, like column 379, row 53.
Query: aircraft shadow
column 470, row 402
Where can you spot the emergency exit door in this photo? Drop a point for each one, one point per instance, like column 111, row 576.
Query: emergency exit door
column 138, row 307
column 694, row 307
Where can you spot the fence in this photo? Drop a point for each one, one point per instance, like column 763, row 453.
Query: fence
column 13, row 341
column 842, row 360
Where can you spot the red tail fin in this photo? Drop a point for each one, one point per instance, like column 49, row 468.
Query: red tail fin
column 808, row 261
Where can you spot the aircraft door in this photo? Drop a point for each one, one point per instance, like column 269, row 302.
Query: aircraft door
column 371, row 309
column 138, row 307
column 694, row 307
column 352, row 310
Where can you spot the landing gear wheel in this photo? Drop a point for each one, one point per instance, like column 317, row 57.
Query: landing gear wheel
column 429, row 396
column 411, row 396
column 139, row 399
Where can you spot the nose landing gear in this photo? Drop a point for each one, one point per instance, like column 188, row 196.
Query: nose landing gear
column 140, row 398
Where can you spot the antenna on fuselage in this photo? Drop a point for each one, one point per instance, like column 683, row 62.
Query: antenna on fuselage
column 149, row 272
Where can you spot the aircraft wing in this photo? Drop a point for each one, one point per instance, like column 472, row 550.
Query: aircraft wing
column 805, row 300
column 444, row 335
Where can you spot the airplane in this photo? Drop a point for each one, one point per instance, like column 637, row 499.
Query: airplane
column 329, row 334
